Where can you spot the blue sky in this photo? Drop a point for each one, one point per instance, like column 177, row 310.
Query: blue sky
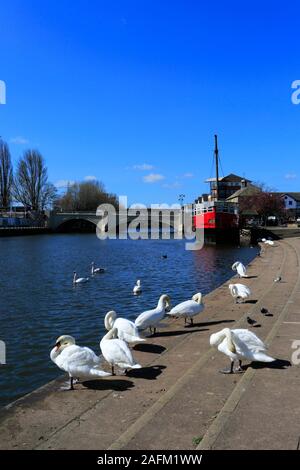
column 132, row 91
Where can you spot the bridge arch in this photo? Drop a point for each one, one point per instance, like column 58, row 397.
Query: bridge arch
column 76, row 225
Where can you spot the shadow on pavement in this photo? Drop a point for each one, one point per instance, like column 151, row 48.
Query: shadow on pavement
column 149, row 373
column 277, row 364
column 150, row 348
column 104, row 384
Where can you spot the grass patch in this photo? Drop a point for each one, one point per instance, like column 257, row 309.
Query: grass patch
column 196, row 440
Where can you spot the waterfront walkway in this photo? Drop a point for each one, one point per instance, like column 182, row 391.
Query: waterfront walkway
column 179, row 400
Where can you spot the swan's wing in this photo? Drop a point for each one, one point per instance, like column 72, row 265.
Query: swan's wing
column 82, row 356
column 241, row 269
column 78, row 361
column 126, row 326
column 149, row 318
column 117, row 352
column 246, row 340
column 189, row 307
column 127, row 330
column 242, row 290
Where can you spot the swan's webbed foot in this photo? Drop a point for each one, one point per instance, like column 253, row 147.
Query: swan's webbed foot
column 227, row 370
column 238, row 369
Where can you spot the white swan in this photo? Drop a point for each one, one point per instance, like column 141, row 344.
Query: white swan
column 151, row 318
column 116, row 352
column 239, row 291
column 127, row 331
column 240, row 268
column 79, row 280
column 96, row 270
column 137, row 288
column 269, row 242
column 189, row 308
column 239, row 344
column 78, row 361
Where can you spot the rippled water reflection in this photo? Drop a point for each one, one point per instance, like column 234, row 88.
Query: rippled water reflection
column 39, row 303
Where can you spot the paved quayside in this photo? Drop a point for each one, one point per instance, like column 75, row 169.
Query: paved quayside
column 179, row 400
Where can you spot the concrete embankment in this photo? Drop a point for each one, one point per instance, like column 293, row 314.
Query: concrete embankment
column 179, row 400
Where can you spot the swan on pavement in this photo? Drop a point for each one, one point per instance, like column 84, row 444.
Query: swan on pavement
column 116, row 352
column 240, row 268
column 189, row 308
column 239, row 344
column 78, row 361
column 239, row 291
column 127, row 330
column 150, row 318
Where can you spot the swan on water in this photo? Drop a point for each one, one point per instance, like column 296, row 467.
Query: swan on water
column 79, row 280
column 189, row 308
column 116, row 352
column 239, row 291
column 239, row 344
column 96, row 270
column 127, row 331
column 151, row 318
column 137, row 288
column 78, row 361
column 240, row 268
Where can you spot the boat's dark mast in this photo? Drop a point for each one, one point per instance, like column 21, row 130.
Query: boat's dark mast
column 217, row 166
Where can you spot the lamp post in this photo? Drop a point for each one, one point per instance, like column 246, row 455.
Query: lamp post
column 181, row 199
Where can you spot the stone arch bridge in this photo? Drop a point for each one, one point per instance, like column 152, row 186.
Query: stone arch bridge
column 163, row 219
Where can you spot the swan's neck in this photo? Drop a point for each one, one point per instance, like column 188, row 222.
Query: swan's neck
column 74, row 278
column 110, row 335
column 230, row 343
column 109, row 320
column 54, row 353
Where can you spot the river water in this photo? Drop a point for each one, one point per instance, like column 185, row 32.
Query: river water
column 39, row 302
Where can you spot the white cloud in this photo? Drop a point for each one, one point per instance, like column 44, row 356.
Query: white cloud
column 60, row 184
column 90, row 178
column 19, row 140
column 188, row 175
column 174, row 185
column 153, row 178
column 143, row 167
column 290, row 176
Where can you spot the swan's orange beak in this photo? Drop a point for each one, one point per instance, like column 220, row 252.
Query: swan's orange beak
column 57, row 345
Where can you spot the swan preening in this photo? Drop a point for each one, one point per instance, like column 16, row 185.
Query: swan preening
column 239, row 344
column 240, row 268
column 79, row 280
column 126, row 329
column 151, row 318
column 116, row 352
column 78, row 361
column 137, row 288
column 189, row 308
column 96, row 270
column 239, row 291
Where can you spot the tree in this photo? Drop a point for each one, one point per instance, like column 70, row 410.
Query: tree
column 85, row 196
column 265, row 204
column 31, row 186
column 6, row 175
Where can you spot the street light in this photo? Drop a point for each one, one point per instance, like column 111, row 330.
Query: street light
column 181, row 198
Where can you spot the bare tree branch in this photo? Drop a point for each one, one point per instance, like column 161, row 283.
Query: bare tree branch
column 6, row 175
